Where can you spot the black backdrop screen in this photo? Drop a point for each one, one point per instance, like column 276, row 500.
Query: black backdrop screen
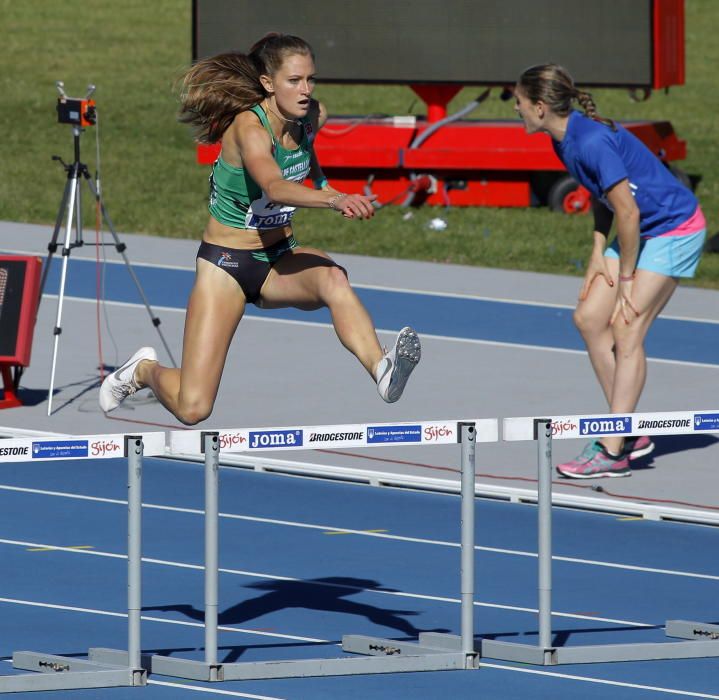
column 12, row 280
column 601, row 42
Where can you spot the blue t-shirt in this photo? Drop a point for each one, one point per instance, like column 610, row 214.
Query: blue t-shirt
column 599, row 158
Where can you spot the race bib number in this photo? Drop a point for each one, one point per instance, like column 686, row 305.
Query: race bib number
column 264, row 213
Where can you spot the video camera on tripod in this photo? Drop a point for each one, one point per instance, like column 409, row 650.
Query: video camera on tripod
column 79, row 113
column 76, row 110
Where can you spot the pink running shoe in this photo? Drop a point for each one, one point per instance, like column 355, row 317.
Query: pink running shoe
column 635, row 447
column 596, row 465
column 584, row 456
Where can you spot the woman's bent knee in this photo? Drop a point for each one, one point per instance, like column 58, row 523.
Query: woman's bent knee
column 587, row 322
column 335, row 282
column 193, row 411
column 628, row 337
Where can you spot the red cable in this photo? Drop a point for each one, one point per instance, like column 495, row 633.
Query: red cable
column 147, row 422
column 97, row 289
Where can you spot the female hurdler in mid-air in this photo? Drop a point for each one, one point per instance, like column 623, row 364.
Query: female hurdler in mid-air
column 260, row 106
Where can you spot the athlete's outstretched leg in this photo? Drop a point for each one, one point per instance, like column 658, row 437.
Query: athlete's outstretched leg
column 215, row 308
column 308, row 279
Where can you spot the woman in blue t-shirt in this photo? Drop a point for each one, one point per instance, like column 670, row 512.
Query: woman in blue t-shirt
column 660, row 233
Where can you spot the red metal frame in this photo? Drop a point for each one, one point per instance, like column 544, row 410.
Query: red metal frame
column 10, row 364
column 668, row 49
column 28, row 310
column 436, row 97
column 476, row 163
column 10, row 398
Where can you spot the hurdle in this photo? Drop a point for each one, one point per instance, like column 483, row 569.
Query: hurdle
column 700, row 639
column 104, row 668
column 433, row 651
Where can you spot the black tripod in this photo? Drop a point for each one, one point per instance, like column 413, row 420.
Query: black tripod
column 71, row 211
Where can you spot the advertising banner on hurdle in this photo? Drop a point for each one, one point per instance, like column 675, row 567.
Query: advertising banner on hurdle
column 436, row 432
column 76, row 447
column 598, row 425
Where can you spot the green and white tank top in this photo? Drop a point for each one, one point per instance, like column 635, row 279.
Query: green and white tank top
column 237, row 200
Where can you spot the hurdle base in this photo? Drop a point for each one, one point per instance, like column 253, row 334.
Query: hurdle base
column 429, row 643
column 65, row 673
column 185, row 668
column 692, row 630
column 701, row 641
column 434, row 653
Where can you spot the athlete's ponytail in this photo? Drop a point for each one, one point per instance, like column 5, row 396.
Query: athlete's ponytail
column 553, row 85
column 215, row 90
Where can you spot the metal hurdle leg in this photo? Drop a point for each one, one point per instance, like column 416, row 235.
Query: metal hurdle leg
column 432, row 642
column 545, row 654
column 434, row 652
column 105, row 668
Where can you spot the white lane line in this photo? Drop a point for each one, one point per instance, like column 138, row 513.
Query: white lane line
column 601, row 681
column 358, row 589
column 92, row 259
column 505, row 300
column 367, row 533
column 216, row 691
column 162, row 620
column 396, row 290
column 428, row 336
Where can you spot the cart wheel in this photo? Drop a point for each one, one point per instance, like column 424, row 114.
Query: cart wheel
column 569, row 197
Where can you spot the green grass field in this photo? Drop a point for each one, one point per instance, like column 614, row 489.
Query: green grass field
column 133, row 51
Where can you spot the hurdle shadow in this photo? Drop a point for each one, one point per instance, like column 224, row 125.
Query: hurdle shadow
column 325, row 595
column 232, row 652
column 562, row 637
column 666, row 445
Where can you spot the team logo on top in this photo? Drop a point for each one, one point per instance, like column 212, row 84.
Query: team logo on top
column 394, row 433
column 13, row 451
column 706, row 421
column 605, row 425
column 103, row 448
column 664, row 423
column 225, row 260
column 336, row 437
column 275, row 438
column 433, row 433
column 563, row 426
column 53, row 449
column 228, row 440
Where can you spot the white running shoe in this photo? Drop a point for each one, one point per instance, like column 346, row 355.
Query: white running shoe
column 120, row 384
column 395, row 367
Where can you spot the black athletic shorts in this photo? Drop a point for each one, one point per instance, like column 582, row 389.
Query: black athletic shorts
column 249, row 268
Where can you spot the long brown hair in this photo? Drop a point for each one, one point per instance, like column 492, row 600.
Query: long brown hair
column 215, row 89
column 553, row 85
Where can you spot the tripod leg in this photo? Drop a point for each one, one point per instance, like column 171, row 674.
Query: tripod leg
column 78, row 210
column 120, row 247
column 52, row 245
column 73, row 199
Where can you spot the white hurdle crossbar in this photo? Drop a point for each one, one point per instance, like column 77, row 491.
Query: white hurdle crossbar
column 104, row 668
column 434, row 651
column 700, row 639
